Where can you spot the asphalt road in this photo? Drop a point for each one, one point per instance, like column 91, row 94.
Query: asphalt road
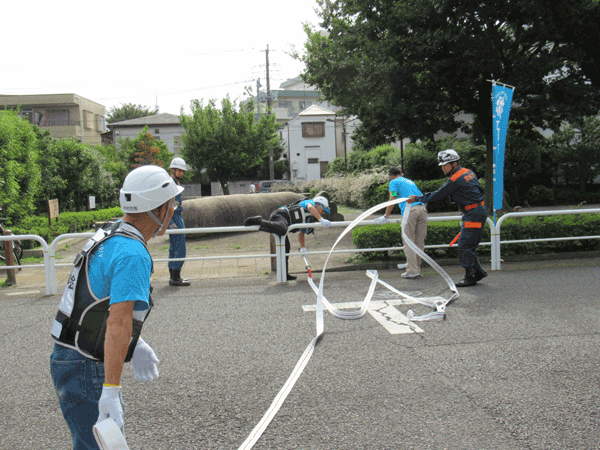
column 514, row 366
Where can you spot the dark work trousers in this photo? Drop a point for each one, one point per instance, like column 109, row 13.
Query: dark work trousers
column 470, row 236
column 177, row 243
column 278, row 224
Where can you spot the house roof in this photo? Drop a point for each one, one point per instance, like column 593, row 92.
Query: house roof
column 316, row 110
column 157, row 119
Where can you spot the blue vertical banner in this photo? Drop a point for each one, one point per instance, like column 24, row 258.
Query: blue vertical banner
column 501, row 102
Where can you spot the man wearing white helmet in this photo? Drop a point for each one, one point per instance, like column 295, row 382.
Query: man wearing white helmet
column 104, row 305
column 304, row 211
column 177, row 247
column 464, row 188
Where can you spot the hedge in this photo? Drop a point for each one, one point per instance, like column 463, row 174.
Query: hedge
column 68, row 222
column 438, row 233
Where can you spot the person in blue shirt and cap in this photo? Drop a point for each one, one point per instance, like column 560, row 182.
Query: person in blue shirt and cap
column 416, row 227
column 304, row 211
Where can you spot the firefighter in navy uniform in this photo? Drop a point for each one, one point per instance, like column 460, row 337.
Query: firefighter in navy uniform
column 304, row 211
column 466, row 191
column 104, row 305
column 177, row 247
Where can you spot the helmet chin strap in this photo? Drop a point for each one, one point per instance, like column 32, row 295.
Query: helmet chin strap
column 162, row 224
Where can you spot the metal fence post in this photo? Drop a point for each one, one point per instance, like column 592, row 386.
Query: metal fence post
column 9, row 259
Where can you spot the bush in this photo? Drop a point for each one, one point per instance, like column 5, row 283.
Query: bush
column 68, row 222
column 440, row 233
column 540, row 196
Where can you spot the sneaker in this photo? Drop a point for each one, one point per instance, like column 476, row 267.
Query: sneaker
column 402, row 266
column 410, row 275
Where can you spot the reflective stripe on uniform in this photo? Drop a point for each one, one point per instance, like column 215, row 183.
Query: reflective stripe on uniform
column 473, row 225
column 459, row 174
column 474, row 205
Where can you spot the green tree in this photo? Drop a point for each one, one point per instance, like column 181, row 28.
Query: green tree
column 408, row 68
column 72, row 171
column 577, row 148
column 19, row 166
column 228, row 141
column 144, row 149
column 128, row 111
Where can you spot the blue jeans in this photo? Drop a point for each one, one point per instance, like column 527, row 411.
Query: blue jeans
column 78, row 383
column 177, row 243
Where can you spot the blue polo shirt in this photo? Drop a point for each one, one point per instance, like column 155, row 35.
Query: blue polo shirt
column 120, row 267
column 401, row 187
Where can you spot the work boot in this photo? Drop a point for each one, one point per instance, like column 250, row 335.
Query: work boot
column 480, row 274
column 469, row 279
column 176, row 279
column 290, row 277
column 254, row 220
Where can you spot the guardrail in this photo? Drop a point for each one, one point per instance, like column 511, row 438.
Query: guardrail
column 280, row 254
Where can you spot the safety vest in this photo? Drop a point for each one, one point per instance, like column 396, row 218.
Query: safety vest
column 80, row 323
column 295, row 213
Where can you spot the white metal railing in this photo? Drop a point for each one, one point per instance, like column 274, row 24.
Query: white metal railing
column 280, row 254
column 496, row 241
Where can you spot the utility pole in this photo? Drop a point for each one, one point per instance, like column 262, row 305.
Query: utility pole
column 258, row 85
column 269, row 102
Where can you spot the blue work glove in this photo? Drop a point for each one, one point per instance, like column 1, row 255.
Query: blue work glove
column 326, row 223
column 381, row 220
column 111, row 406
column 144, row 362
column 303, row 250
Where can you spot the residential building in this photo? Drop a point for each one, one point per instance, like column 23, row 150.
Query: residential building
column 311, row 141
column 293, row 97
column 62, row 114
column 165, row 127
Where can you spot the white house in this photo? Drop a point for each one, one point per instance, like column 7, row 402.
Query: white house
column 165, row 127
column 310, row 138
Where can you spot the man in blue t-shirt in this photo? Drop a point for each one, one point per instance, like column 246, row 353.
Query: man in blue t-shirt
column 416, row 227
column 104, row 305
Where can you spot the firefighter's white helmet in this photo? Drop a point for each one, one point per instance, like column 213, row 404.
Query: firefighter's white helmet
column 447, row 156
column 178, row 163
column 146, row 188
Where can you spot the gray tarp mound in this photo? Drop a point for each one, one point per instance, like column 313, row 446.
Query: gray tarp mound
column 232, row 210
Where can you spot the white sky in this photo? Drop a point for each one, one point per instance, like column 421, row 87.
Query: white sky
column 115, row 52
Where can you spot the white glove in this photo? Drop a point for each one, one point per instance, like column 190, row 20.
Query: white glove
column 111, row 406
column 381, row 220
column 326, row 223
column 303, row 250
column 144, row 362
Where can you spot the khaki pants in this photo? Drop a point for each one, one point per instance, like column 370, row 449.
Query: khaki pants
column 416, row 231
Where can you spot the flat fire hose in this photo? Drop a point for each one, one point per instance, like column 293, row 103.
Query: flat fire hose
column 438, row 313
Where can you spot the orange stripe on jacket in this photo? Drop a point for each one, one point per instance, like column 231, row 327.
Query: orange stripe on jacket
column 472, row 225
column 459, row 174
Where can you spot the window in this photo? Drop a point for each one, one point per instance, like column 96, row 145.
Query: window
column 88, row 119
column 304, row 105
column 283, row 104
column 177, row 144
column 57, row 117
column 156, row 131
column 313, row 160
column 31, row 116
column 100, row 123
column 313, row 129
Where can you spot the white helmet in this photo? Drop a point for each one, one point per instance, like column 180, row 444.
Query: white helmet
column 323, row 201
column 178, row 163
column 146, row 188
column 447, row 156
